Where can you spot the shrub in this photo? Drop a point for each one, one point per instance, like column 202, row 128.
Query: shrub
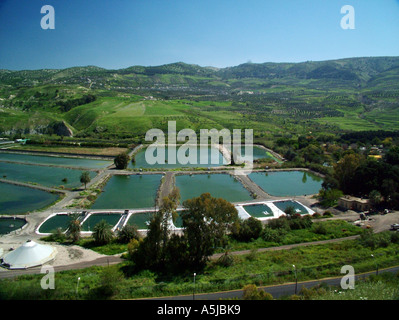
column 248, row 230
column 279, row 223
column 128, row 233
column 251, row 292
column 319, row 228
column 273, row 235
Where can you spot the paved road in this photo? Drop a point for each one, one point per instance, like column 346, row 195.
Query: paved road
column 276, row 291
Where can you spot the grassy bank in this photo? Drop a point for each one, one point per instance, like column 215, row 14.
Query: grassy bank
column 274, row 267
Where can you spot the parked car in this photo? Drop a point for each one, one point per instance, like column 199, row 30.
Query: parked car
column 395, row 226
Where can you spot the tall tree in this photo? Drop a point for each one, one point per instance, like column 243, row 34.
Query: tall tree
column 205, row 223
column 85, row 178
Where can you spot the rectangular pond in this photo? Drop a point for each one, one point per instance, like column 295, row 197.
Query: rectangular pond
column 94, row 218
column 53, row 160
column 46, row 176
column 202, row 157
column 258, row 210
column 128, row 192
column 287, row 183
column 218, row 185
column 283, row 205
column 17, row 199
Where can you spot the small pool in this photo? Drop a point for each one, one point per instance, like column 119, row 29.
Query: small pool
column 140, row 219
column 283, row 205
column 8, row 225
column 258, row 210
column 94, row 218
column 58, row 221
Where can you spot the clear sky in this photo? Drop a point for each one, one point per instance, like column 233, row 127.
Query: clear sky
column 120, row 33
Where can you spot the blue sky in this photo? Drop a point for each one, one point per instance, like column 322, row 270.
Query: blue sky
column 120, row 33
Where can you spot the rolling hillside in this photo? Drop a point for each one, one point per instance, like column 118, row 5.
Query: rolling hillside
column 347, row 94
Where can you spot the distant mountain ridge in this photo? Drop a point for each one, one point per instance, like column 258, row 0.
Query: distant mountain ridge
column 359, row 69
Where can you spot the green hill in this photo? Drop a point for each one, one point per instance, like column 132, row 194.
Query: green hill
column 345, row 94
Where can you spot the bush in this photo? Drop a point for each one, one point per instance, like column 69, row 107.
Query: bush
column 128, row 233
column 248, row 230
column 273, row 235
column 251, row 292
column 319, row 228
column 300, row 222
column 279, row 223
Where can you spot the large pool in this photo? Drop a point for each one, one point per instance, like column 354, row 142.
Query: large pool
column 46, row 176
column 127, row 192
column 52, row 160
column 203, row 157
column 17, row 199
column 218, row 185
column 287, row 183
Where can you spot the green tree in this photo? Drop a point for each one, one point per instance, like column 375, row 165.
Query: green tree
column 128, row 233
column 102, row 233
column 74, row 229
column 345, row 169
column 375, row 198
column 206, row 223
column 121, row 161
column 152, row 252
column 249, row 229
column 85, row 178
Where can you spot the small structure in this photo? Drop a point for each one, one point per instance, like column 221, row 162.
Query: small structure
column 354, row 203
column 30, row 254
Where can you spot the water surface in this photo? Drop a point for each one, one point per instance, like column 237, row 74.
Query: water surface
column 287, row 183
column 128, row 192
column 218, row 185
column 17, row 199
